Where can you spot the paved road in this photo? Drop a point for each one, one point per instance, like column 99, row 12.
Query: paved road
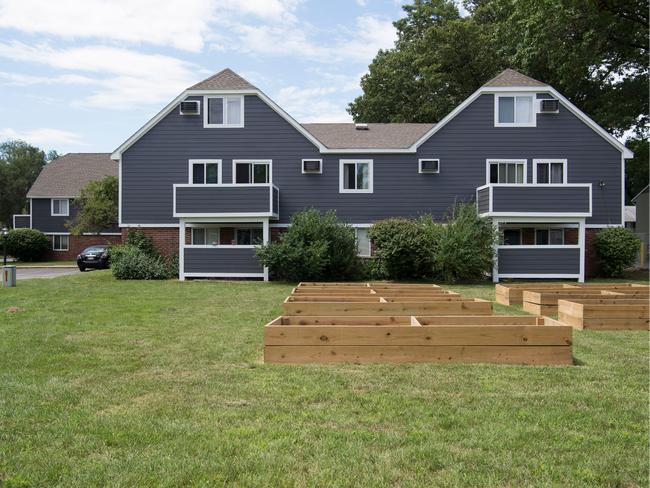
column 29, row 272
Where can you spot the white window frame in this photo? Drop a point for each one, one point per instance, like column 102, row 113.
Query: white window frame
column 534, row 109
column 302, row 167
column 549, row 229
column 428, row 172
column 507, row 161
column 67, row 206
column 225, row 124
column 549, row 161
column 342, row 163
column 205, row 230
column 60, row 237
column 268, row 162
column 359, row 251
column 192, row 162
column 247, row 227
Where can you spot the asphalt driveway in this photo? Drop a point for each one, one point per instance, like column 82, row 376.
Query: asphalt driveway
column 34, row 272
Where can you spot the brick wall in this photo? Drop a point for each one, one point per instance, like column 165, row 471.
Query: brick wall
column 570, row 237
column 592, row 267
column 76, row 245
column 226, row 236
column 165, row 239
column 528, row 236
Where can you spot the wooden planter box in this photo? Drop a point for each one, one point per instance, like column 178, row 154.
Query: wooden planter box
column 324, row 305
column 545, row 302
column 513, row 294
column 418, row 339
column 605, row 314
column 370, row 292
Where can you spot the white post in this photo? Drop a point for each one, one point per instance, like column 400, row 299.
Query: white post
column 495, row 269
column 266, row 241
column 583, row 246
column 181, row 250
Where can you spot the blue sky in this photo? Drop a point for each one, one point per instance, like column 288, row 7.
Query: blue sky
column 84, row 75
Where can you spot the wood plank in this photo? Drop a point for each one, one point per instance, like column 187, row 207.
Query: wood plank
column 535, row 355
column 438, row 335
column 477, row 320
column 347, row 320
column 464, row 307
column 604, row 324
column 540, row 309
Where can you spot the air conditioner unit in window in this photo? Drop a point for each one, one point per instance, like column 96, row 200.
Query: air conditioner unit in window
column 550, row 105
column 190, row 107
column 429, row 166
column 311, row 165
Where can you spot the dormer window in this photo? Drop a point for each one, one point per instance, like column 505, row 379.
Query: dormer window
column 224, row 111
column 514, row 110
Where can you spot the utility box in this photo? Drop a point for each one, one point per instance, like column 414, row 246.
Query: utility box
column 8, row 276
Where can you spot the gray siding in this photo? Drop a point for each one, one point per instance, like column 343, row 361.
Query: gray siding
column 539, row 261
column 484, row 200
column 243, row 199
column 160, row 159
column 21, row 221
column 540, row 199
column 43, row 220
column 221, row 260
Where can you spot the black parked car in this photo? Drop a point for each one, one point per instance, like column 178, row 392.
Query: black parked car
column 94, row 257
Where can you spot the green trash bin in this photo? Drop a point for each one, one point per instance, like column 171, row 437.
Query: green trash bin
column 8, row 276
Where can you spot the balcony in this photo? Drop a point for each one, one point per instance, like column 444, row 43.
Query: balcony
column 552, row 200
column 228, row 200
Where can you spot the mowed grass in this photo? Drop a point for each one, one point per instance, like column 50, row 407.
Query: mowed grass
column 122, row 383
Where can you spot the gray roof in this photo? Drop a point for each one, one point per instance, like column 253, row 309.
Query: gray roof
column 378, row 136
column 510, row 77
column 65, row 176
column 224, row 80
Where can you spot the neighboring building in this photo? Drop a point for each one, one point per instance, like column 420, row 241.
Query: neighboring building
column 642, row 204
column 222, row 165
column 51, row 202
column 630, row 217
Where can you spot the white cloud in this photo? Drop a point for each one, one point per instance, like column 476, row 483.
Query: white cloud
column 123, row 77
column 44, row 137
column 362, row 2
column 182, row 24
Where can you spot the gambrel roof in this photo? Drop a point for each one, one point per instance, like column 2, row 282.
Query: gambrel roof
column 65, row 176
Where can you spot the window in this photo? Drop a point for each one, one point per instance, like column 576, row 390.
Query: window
column 60, row 207
column 60, row 243
column 205, row 237
column 512, row 237
column 248, row 172
column 507, row 171
column 205, row 171
column 549, row 171
column 249, row 237
column 553, row 237
column 355, row 176
column 227, row 111
column 514, row 110
column 363, row 243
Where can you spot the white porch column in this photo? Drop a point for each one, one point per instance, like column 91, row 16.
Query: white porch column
column 495, row 269
column 181, row 250
column 583, row 245
column 267, row 237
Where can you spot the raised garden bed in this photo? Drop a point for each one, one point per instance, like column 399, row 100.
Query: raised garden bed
column 513, row 294
column 546, row 302
column 418, row 339
column 605, row 314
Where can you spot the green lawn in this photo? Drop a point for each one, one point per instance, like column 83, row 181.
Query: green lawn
column 110, row 383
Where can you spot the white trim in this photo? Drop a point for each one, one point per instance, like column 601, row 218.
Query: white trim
column 181, row 250
column 302, row 167
column 145, row 226
column 506, row 161
column 224, row 275
column 514, row 224
column 602, row 226
column 204, row 162
column 252, row 161
column 543, row 276
column 549, row 161
column 428, row 172
column 512, row 215
column 67, row 202
column 252, row 215
column 67, row 241
column 539, row 246
column 623, row 190
column 194, row 113
column 533, row 96
column 343, row 162
column 119, row 193
column 225, row 124
column 23, row 215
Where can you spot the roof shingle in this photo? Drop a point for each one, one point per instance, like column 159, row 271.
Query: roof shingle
column 378, row 136
column 510, row 77
column 224, row 80
column 65, row 176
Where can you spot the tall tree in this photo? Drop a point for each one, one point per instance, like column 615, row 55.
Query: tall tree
column 593, row 51
column 636, row 170
column 98, row 207
column 20, row 164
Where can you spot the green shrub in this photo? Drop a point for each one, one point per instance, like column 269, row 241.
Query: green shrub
column 463, row 244
column 616, row 248
column 316, row 247
column 137, row 259
column 27, row 244
column 403, row 248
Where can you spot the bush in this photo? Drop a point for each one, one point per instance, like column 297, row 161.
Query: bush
column 27, row 244
column 316, row 247
column 403, row 248
column 137, row 259
column 616, row 248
